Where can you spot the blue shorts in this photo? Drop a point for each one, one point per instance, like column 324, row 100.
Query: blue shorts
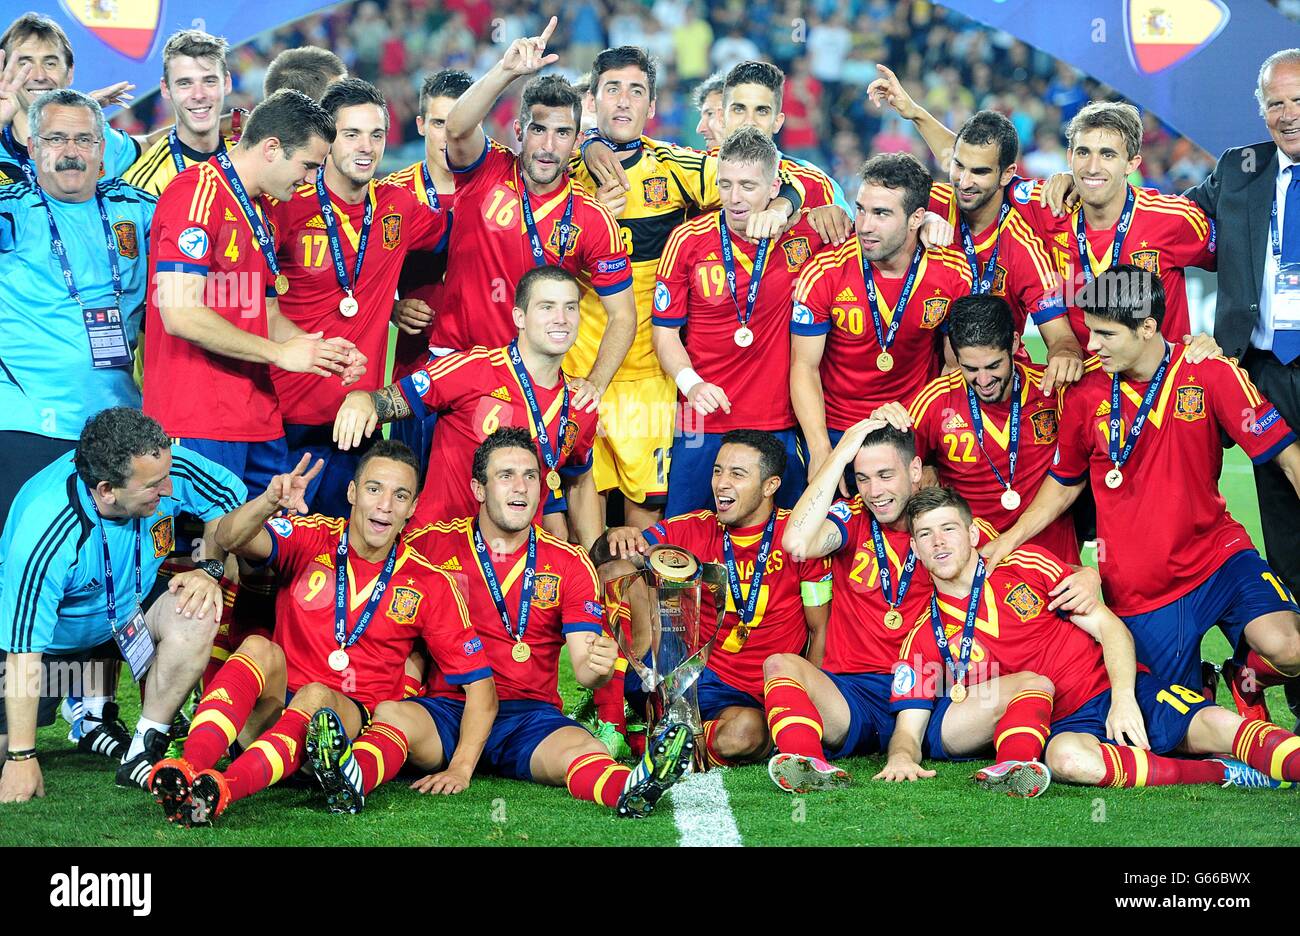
column 1167, row 719
column 417, row 433
column 254, row 463
column 1168, row 639
column 715, row 695
column 871, row 724
column 932, row 744
column 327, row 493
column 521, row 725
column 690, row 476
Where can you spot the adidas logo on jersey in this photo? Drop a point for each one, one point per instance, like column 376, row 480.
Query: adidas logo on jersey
column 230, row 215
column 1104, row 409
column 451, row 565
column 1063, row 238
column 324, row 559
column 954, row 423
column 316, row 222
column 711, row 256
column 502, row 394
column 846, row 295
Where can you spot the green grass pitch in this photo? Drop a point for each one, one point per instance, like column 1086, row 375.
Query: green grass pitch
column 82, row 807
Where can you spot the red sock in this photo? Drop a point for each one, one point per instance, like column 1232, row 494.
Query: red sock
column 276, row 754
column 223, row 710
column 1269, row 749
column 609, row 697
column 710, row 746
column 1133, row 767
column 380, row 753
column 1266, row 674
column 1021, row 732
column 412, row 686
column 792, row 719
column 596, row 777
column 227, row 639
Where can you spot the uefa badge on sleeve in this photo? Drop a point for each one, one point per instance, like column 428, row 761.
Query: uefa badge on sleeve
column 662, row 297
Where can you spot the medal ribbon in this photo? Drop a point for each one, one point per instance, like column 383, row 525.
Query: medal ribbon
column 430, row 193
column 550, row 455
column 886, row 341
column 983, row 284
column 61, row 250
column 1081, row 236
column 729, row 264
column 346, row 640
column 959, row 668
column 332, row 232
column 494, row 587
column 1013, row 429
column 264, row 242
column 25, row 162
column 886, row 577
column 1118, row 457
column 110, row 593
column 535, row 239
column 745, row 611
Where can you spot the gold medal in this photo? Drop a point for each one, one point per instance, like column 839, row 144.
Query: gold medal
column 893, row 619
column 521, row 652
column 281, row 284
column 885, row 361
column 957, row 693
column 553, row 480
column 1114, row 478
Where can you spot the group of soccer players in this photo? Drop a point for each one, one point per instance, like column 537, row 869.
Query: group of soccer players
column 830, row 400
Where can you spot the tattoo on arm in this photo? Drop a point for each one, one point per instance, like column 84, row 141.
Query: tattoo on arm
column 832, row 542
column 390, row 404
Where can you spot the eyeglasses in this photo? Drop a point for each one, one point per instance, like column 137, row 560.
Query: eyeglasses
column 82, row 141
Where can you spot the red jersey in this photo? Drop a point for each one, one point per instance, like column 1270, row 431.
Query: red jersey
column 399, row 223
column 830, row 299
column 691, row 291
column 1014, row 632
column 566, row 600
column 422, row 275
column 198, row 227
column 857, row 638
column 945, row 435
column 476, row 392
column 1153, row 556
column 490, row 237
column 779, row 625
column 1023, row 274
column 422, row 603
column 814, row 185
column 1167, row 233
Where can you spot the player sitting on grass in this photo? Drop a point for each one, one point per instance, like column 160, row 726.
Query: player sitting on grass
column 1110, row 724
column 378, row 594
column 533, row 594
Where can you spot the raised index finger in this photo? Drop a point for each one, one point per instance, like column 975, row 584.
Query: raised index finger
column 550, row 28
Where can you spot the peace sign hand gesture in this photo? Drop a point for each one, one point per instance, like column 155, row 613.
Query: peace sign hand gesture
column 289, row 491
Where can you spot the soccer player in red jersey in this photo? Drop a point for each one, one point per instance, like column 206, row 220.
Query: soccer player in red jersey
column 1153, row 417
column 479, row 390
column 381, row 597
column 1107, row 722
column 555, row 222
column 214, row 323
column 533, row 595
column 867, row 315
column 342, row 240
column 732, row 296
column 774, row 603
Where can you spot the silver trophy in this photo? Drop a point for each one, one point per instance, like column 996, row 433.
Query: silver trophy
column 683, row 601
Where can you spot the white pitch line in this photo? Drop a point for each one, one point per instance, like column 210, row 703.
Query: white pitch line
column 702, row 813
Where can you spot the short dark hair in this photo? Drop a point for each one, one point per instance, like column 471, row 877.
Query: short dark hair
column 1116, row 116
column 349, row 92
column 393, row 450
column 289, row 116
column 541, row 274
column 771, row 452
column 710, row 85
column 448, row 83
column 39, row 26
column 751, row 145
column 759, row 73
column 111, row 439
column 987, row 127
column 934, row 498
column 550, row 91
column 904, row 442
column 505, row 437
column 899, row 171
column 1126, row 294
column 623, row 57
column 981, row 321
column 308, row 69
column 195, row 43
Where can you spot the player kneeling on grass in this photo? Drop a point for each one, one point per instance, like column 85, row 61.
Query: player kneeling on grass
column 532, row 594
column 1109, row 724
column 355, row 600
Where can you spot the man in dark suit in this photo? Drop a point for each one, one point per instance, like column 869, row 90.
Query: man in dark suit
column 1250, row 321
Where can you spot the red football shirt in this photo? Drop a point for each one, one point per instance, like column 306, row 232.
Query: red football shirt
column 779, row 625
column 1167, row 233
column 422, row 278
column 490, row 249
column 422, row 603
column 691, row 292
column 1166, row 528
column 857, row 640
column 813, row 184
column 566, row 600
column 945, row 436
column 400, row 223
column 831, row 299
column 198, row 227
column 1014, row 632
column 476, row 392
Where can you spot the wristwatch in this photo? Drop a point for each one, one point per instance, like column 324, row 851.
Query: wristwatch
column 214, row 567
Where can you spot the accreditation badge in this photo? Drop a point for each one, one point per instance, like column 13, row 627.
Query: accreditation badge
column 1286, row 297
column 136, row 644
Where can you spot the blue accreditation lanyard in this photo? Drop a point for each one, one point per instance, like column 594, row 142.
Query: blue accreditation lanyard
column 24, row 162
column 983, row 283
column 535, row 239
column 594, row 136
column 341, row 635
column 745, row 610
column 336, row 243
column 893, row 618
column 111, row 593
column 886, row 340
column 61, row 250
column 178, row 155
column 1119, row 457
column 499, row 599
column 744, row 336
column 1081, row 236
column 264, row 242
column 962, row 664
column 551, row 455
column 430, row 193
column 1013, row 433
